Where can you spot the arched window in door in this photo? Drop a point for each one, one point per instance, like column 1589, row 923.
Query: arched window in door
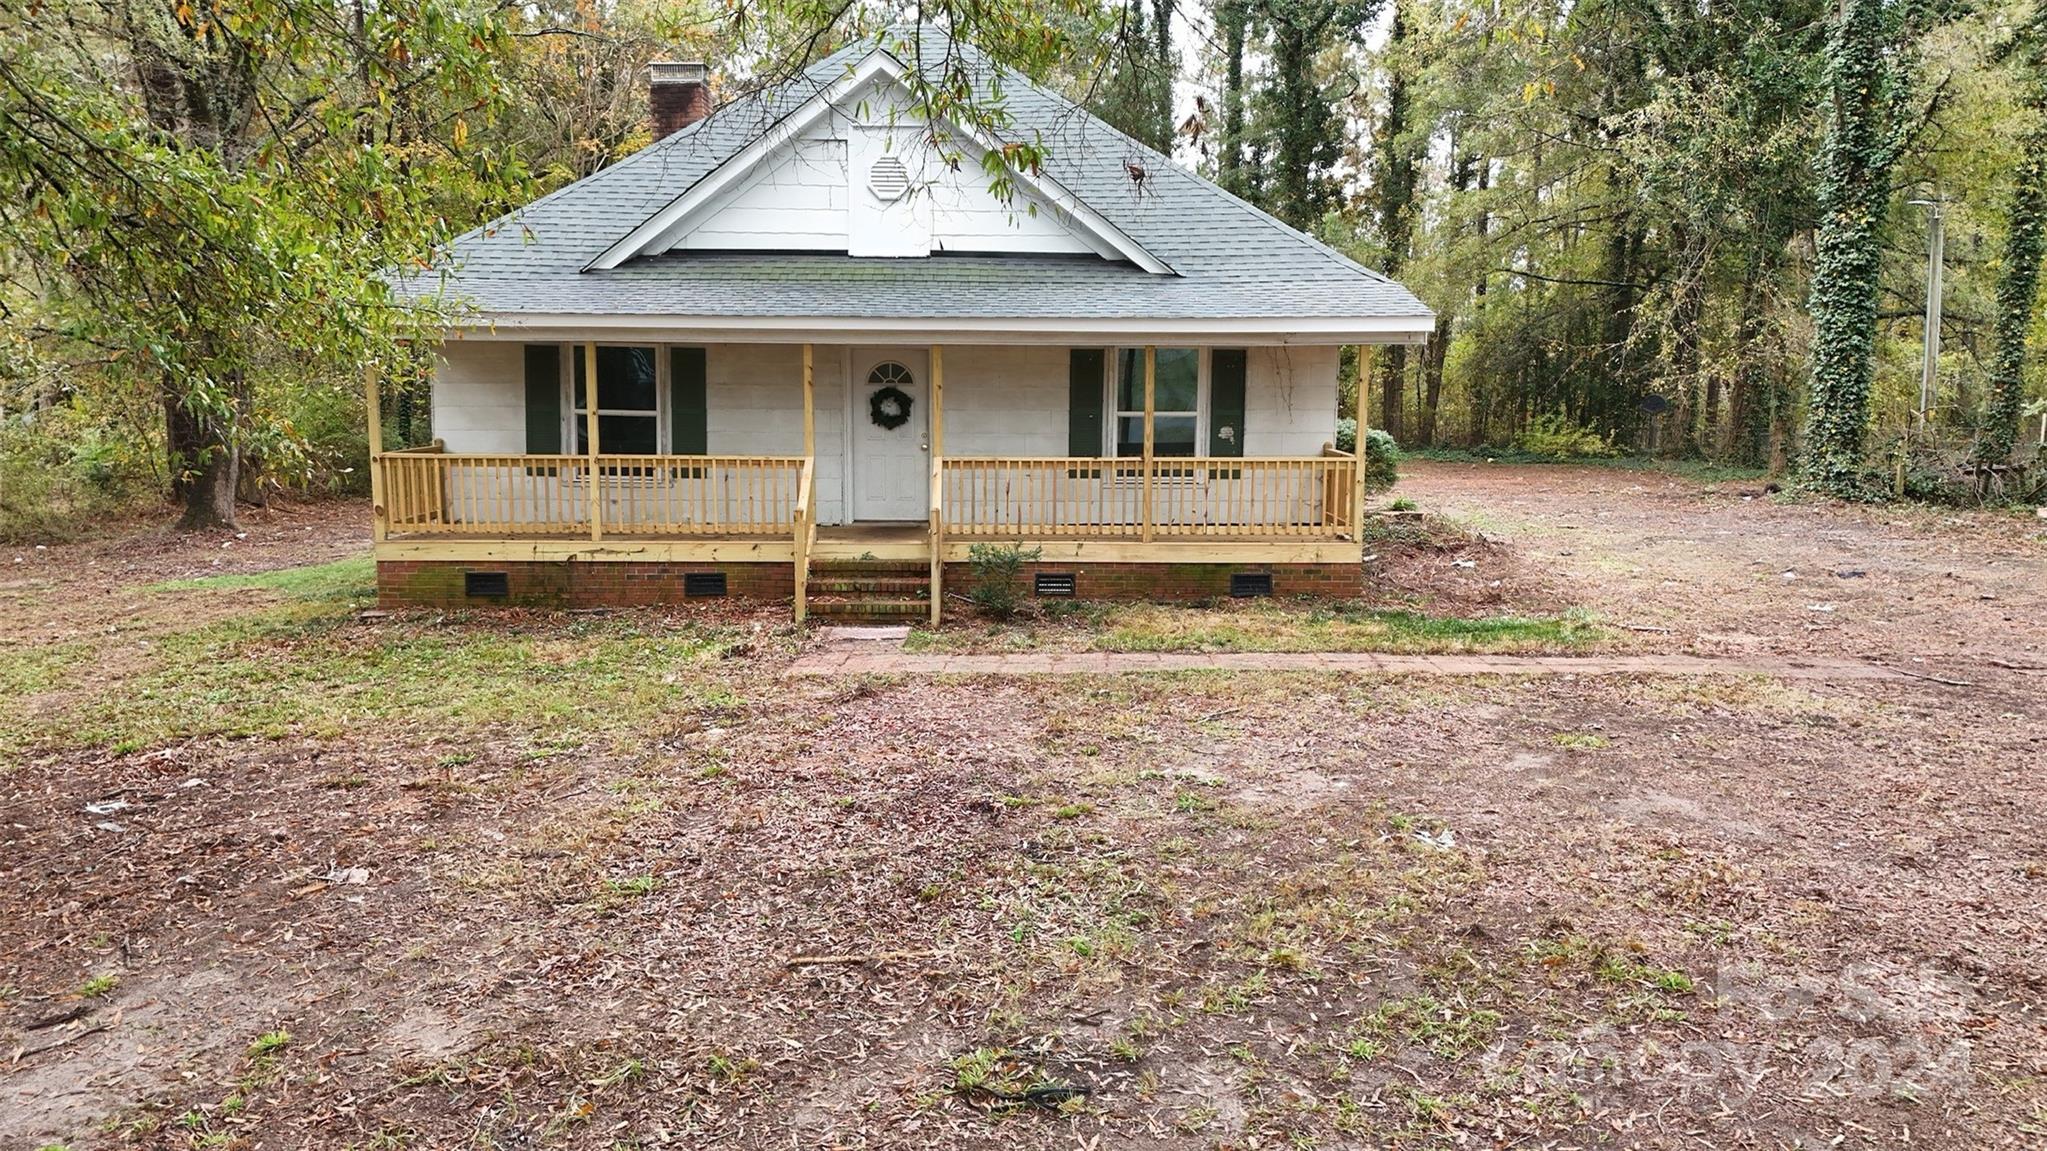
column 889, row 374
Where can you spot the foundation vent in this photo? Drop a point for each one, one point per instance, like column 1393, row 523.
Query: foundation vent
column 1054, row 583
column 703, row 585
column 1246, row 585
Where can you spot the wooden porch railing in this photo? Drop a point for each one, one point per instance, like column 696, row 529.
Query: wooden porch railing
column 435, row 493
column 1052, row 497
column 803, row 531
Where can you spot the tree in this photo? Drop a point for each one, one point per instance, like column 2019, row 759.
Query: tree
column 199, row 186
column 2025, row 244
column 1867, row 124
column 1137, row 98
column 1297, row 105
column 1394, row 177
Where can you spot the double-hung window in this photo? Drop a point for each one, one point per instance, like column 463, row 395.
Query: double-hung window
column 1176, row 402
column 628, row 401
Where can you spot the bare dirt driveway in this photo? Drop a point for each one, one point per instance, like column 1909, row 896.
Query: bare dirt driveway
column 275, row 875
column 1732, row 570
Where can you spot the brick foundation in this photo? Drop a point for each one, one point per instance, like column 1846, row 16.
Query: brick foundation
column 438, row 583
column 1179, row 582
column 564, row 584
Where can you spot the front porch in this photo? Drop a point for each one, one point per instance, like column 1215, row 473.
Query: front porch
column 436, row 507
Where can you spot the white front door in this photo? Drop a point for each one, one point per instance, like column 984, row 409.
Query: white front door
column 891, row 465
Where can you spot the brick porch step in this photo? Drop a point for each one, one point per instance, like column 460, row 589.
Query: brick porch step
column 863, row 587
column 901, row 569
column 845, row 610
column 869, row 590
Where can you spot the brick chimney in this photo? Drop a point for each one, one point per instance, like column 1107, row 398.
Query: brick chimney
column 678, row 95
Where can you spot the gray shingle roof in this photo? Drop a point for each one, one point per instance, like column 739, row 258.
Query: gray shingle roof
column 1231, row 260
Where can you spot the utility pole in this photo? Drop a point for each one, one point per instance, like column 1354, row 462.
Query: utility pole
column 1929, row 373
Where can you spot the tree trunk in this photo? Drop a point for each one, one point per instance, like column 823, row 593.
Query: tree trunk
column 1432, row 378
column 205, row 465
column 2018, row 285
column 1230, row 15
column 1480, row 396
column 1396, row 180
column 1392, row 378
column 1854, row 194
column 1688, row 305
column 1293, row 63
column 210, row 491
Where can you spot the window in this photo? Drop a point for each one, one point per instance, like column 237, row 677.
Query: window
column 1176, row 402
column 628, row 402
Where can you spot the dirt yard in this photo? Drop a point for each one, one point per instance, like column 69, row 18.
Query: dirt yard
column 273, row 875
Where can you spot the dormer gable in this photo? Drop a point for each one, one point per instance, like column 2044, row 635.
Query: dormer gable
column 855, row 171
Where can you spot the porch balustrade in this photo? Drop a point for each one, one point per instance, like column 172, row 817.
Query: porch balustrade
column 428, row 492
column 1055, row 497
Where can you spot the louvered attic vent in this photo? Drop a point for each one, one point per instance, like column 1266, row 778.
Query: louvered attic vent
column 888, row 179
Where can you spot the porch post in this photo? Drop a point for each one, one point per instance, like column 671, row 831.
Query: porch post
column 937, row 530
column 1151, row 371
column 594, row 486
column 1357, row 496
column 373, row 404
column 809, row 404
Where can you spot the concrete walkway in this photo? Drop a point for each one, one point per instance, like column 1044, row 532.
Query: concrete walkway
column 861, row 659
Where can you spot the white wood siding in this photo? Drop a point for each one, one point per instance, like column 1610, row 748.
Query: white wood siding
column 1289, row 401
column 816, row 195
column 796, row 200
column 479, row 397
column 1005, row 401
column 999, row 401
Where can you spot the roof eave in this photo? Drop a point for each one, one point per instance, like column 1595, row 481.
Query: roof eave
column 1293, row 331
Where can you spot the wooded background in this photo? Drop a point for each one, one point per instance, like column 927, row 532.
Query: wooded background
column 1646, row 227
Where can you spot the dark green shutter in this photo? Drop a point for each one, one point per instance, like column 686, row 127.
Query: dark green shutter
column 1226, row 401
column 689, row 408
column 543, row 399
column 1084, row 401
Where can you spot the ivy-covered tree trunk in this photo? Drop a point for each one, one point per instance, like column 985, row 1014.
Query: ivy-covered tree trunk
column 1748, row 423
column 2018, row 284
column 1687, row 308
column 1396, row 186
column 1293, row 162
column 1231, row 18
column 1855, row 162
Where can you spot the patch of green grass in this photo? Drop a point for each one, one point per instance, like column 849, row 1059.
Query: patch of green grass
column 1269, row 625
column 1610, row 964
column 1276, row 626
column 1581, row 740
column 1447, row 1028
column 304, row 668
column 98, row 986
column 354, row 578
column 268, row 1044
column 32, row 670
column 635, row 886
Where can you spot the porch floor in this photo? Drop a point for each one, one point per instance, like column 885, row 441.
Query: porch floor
column 873, row 533
column 896, row 542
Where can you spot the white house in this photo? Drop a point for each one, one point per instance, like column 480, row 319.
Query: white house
column 829, row 359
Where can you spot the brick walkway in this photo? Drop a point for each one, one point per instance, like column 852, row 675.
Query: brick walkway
column 861, row 659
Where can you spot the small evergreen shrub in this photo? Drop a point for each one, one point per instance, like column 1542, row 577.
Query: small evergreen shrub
column 998, row 577
column 1382, row 453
